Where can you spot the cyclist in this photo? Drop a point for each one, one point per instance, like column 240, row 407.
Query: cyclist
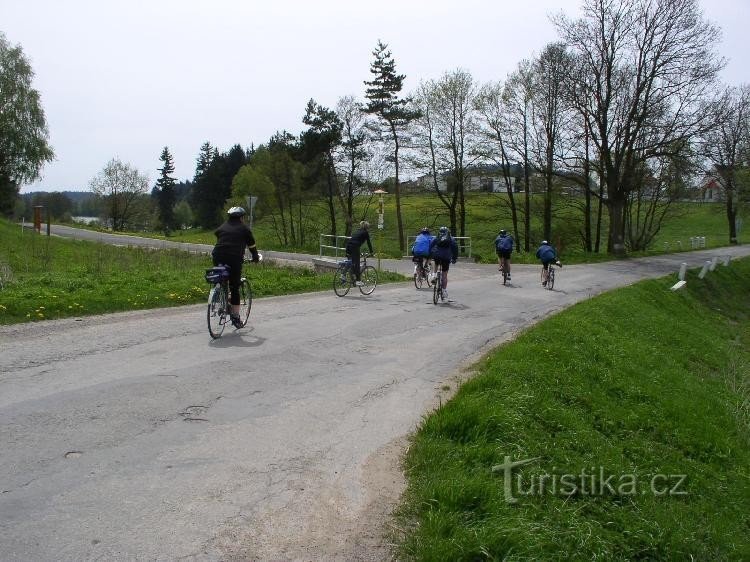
column 352, row 249
column 547, row 255
column 420, row 250
column 232, row 238
column 444, row 251
column 504, row 248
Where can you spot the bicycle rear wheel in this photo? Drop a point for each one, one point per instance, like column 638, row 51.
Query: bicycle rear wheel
column 342, row 281
column 419, row 277
column 246, row 301
column 217, row 311
column 551, row 278
column 437, row 289
column 369, row 280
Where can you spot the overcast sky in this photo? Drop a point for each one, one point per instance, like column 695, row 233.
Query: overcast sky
column 126, row 78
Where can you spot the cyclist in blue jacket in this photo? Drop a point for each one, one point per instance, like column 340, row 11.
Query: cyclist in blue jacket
column 444, row 251
column 420, row 250
column 504, row 248
column 547, row 255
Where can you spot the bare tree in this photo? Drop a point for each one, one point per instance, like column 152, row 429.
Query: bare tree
column 725, row 150
column 550, row 120
column 351, row 152
column 650, row 64
column 446, row 135
column 517, row 97
column 494, row 131
column 120, row 185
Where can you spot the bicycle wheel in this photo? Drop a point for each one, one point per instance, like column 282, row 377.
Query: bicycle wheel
column 369, row 280
column 418, row 277
column 246, row 300
column 551, row 278
column 342, row 281
column 437, row 289
column 217, row 311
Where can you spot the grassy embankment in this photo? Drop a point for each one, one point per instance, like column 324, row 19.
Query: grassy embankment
column 624, row 394
column 486, row 213
column 48, row 277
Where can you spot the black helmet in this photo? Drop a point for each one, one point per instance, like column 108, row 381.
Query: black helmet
column 544, row 242
column 444, row 230
column 425, row 230
column 502, row 232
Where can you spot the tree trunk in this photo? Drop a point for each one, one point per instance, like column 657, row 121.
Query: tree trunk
column 399, row 220
column 731, row 216
column 616, row 241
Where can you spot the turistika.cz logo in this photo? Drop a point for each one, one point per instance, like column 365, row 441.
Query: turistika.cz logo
column 590, row 481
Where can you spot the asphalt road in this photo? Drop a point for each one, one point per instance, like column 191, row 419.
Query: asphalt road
column 135, row 436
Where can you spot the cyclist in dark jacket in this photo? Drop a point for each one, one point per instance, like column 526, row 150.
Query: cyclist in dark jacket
column 504, row 248
column 444, row 250
column 547, row 255
column 232, row 238
column 353, row 246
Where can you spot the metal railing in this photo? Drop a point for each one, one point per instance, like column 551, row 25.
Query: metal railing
column 333, row 242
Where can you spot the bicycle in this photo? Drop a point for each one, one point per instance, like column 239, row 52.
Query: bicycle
column 550, row 275
column 437, row 289
column 503, row 268
column 218, row 314
column 343, row 279
column 421, row 274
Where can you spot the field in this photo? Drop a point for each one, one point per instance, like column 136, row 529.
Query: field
column 629, row 416
column 48, row 277
column 486, row 215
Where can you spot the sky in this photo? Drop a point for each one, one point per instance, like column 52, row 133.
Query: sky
column 125, row 79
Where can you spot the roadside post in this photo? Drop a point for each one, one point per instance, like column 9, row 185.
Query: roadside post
column 380, row 193
column 251, row 201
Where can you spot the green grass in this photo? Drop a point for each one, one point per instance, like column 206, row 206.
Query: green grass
column 641, row 381
column 486, row 214
column 48, row 277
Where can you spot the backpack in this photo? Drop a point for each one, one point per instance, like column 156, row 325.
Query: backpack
column 505, row 243
column 443, row 240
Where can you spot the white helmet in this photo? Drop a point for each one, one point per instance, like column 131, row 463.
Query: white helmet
column 236, row 212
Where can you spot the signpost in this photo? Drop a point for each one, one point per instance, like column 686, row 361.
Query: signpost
column 380, row 193
column 251, row 201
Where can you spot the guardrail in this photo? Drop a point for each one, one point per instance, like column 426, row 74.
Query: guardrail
column 333, row 242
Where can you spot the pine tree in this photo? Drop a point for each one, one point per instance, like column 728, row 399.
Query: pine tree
column 165, row 191
column 383, row 101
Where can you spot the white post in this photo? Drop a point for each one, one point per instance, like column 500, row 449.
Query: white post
column 714, row 262
column 703, row 272
column 679, row 244
column 683, row 270
column 666, row 246
column 727, row 260
column 703, row 241
column 692, row 242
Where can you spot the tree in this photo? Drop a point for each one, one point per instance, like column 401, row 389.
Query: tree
column 446, row 135
column 23, row 128
column 383, row 101
column 550, row 120
column 318, row 143
column 648, row 67
column 183, row 215
column 494, row 130
column 352, row 152
column 165, row 192
column 119, row 185
column 517, row 98
column 725, row 149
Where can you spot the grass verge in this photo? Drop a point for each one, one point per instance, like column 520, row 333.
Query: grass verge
column 48, row 277
column 635, row 406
